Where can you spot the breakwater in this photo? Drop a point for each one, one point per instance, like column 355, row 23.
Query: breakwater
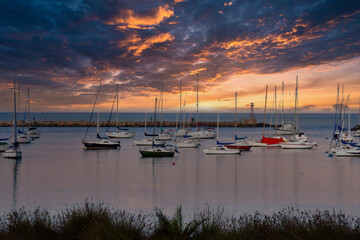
column 128, row 124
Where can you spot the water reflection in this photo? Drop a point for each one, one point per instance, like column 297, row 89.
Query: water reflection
column 58, row 172
column 16, row 169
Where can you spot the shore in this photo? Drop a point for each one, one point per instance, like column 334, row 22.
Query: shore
column 127, row 124
column 98, row 221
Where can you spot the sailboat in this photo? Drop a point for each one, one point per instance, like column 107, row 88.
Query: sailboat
column 357, row 132
column 32, row 132
column 299, row 140
column 220, row 150
column 157, row 151
column 284, row 128
column 22, row 137
column 203, row 134
column 340, row 147
column 164, row 135
column 120, row 132
column 148, row 141
column 240, row 143
column 14, row 150
column 181, row 131
column 267, row 141
column 99, row 142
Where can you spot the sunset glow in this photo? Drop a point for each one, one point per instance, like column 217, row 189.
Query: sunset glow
column 63, row 50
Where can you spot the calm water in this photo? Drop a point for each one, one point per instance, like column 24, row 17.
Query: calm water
column 56, row 172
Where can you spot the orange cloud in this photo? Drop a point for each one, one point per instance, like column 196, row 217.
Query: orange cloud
column 137, row 45
column 197, row 71
column 130, row 19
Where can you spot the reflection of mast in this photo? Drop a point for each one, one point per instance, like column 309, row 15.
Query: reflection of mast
column 17, row 162
column 197, row 102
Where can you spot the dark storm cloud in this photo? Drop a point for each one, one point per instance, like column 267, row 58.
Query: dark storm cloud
column 59, row 46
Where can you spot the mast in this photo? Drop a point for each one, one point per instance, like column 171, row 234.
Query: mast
column 177, row 118
column 217, row 126
column 336, row 123
column 14, row 142
column 92, row 112
column 179, row 107
column 97, row 125
column 18, row 100
column 153, row 141
column 145, row 123
column 276, row 113
column 117, row 106
column 197, row 101
column 296, row 118
column 28, row 99
column 359, row 111
column 282, row 103
column 235, row 117
column 349, row 120
column 184, row 115
column 265, row 110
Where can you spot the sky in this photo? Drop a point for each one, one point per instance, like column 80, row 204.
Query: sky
column 63, row 49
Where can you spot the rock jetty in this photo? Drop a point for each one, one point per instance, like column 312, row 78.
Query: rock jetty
column 126, row 124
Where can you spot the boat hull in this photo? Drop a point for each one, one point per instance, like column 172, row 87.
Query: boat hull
column 182, row 132
column 221, row 151
column 210, row 152
column 187, row 144
column 33, row 134
column 297, row 145
column 24, row 139
column 148, row 142
column 202, row 135
column 239, row 146
column 99, row 146
column 11, row 153
column 120, row 134
column 149, row 153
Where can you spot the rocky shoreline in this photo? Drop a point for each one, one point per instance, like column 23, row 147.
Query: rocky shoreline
column 127, row 124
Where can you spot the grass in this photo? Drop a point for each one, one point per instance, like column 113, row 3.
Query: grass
column 99, row 221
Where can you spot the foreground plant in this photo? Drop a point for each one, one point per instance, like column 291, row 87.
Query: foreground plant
column 175, row 228
column 98, row 221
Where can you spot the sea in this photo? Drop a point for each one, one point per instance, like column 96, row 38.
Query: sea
column 55, row 171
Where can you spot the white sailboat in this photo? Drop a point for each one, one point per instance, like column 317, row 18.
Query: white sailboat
column 187, row 144
column 299, row 140
column 14, row 151
column 347, row 151
column 164, row 135
column 99, row 143
column 240, row 143
column 22, row 137
column 32, row 132
column 148, row 141
column 357, row 132
column 120, row 132
column 182, row 130
column 285, row 128
column 220, row 150
column 203, row 134
column 297, row 145
column 157, row 151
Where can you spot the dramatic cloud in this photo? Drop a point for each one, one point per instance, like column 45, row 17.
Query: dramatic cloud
column 63, row 49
